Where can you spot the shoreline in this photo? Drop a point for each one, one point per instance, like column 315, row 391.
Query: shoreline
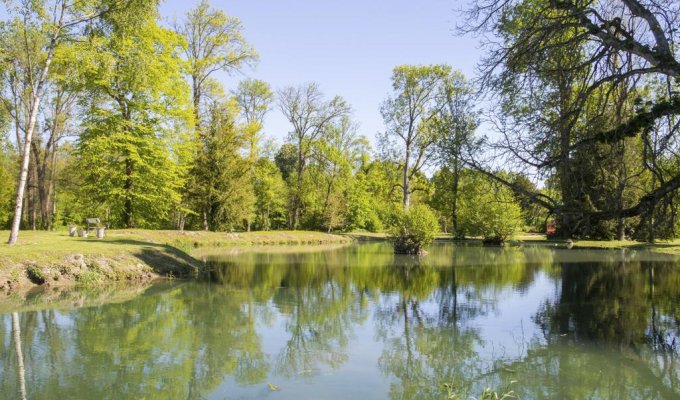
column 54, row 259
column 140, row 257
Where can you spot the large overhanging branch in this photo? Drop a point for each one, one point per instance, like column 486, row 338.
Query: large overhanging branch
column 645, row 205
column 538, row 198
column 641, row 122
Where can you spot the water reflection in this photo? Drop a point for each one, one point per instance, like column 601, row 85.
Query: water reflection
column 360, row 321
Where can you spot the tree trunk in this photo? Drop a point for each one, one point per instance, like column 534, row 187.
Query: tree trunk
column 31, row 198
column 128, row 208
column 566, row 220
column 407, row 193
column 620, row 225
column 297, row 198
column 454, row 202
column 33, row 115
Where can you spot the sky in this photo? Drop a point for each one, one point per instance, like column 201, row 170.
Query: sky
column 348, row 47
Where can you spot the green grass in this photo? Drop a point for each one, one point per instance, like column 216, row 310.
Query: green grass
column 42, row 246
column 667, row 247
column 662, row 246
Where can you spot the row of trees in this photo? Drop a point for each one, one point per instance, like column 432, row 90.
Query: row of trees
column 117, row 116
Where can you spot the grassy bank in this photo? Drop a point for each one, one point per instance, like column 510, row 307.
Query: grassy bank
column 667, row 247
column 56, row 259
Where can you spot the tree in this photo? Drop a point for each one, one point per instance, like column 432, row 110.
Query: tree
column 215, row 42
column 221, row 180
column 337, row 156
column 561, row 66
column 413, row 229
column 56, row 20
column 456, row 124
column 310, row 115
column 488, row 209
column 271, row 194
column 127, row 152
column 409, row 137
column 254, row 99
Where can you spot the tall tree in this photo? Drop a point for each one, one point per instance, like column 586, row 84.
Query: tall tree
column 336, row 158
column 567, row 60
column 456, row 125
column 221, row 179
column 137, row 94
column 254, row 98
column 310, row 115
column 409, row 136
column 215, row 42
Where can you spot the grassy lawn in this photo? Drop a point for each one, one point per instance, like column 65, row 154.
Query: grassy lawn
column 41, row 246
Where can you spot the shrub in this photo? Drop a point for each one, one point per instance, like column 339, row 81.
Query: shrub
column 414, row 229
column 488, row 210
column 35, row 274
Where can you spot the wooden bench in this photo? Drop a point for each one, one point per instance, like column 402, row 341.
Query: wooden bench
column 93, row 223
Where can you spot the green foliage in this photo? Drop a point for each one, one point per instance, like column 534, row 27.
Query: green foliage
column 487, row 394
column 221, row 189
column 130, row 154
column 413, row 229
column 533, row 215
column 285, row 160
column 215, row 42
column 362, row 208
column 36, row 274
column 271, row 194
column 488, row 209
column 7, row 182
column 443, row 197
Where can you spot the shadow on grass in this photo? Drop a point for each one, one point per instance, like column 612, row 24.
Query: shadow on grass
column 162, row 258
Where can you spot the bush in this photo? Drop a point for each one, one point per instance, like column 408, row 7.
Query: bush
column 488, row 209
column 35, row 274
column 414, row 229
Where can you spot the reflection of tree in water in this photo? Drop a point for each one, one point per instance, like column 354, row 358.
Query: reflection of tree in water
column 184, row 341
column 620, row 303
column 423, row 323
column 621, row 316
column 164, row 345
column 313, row 292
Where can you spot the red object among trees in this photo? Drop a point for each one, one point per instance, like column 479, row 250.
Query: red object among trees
column 550, row 227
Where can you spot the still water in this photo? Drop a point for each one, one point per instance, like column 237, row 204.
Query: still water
column 358, row 322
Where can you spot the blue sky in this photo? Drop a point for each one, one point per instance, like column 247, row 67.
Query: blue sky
column 349, row 47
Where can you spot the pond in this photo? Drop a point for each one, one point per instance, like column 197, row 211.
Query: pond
column 359, row 322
